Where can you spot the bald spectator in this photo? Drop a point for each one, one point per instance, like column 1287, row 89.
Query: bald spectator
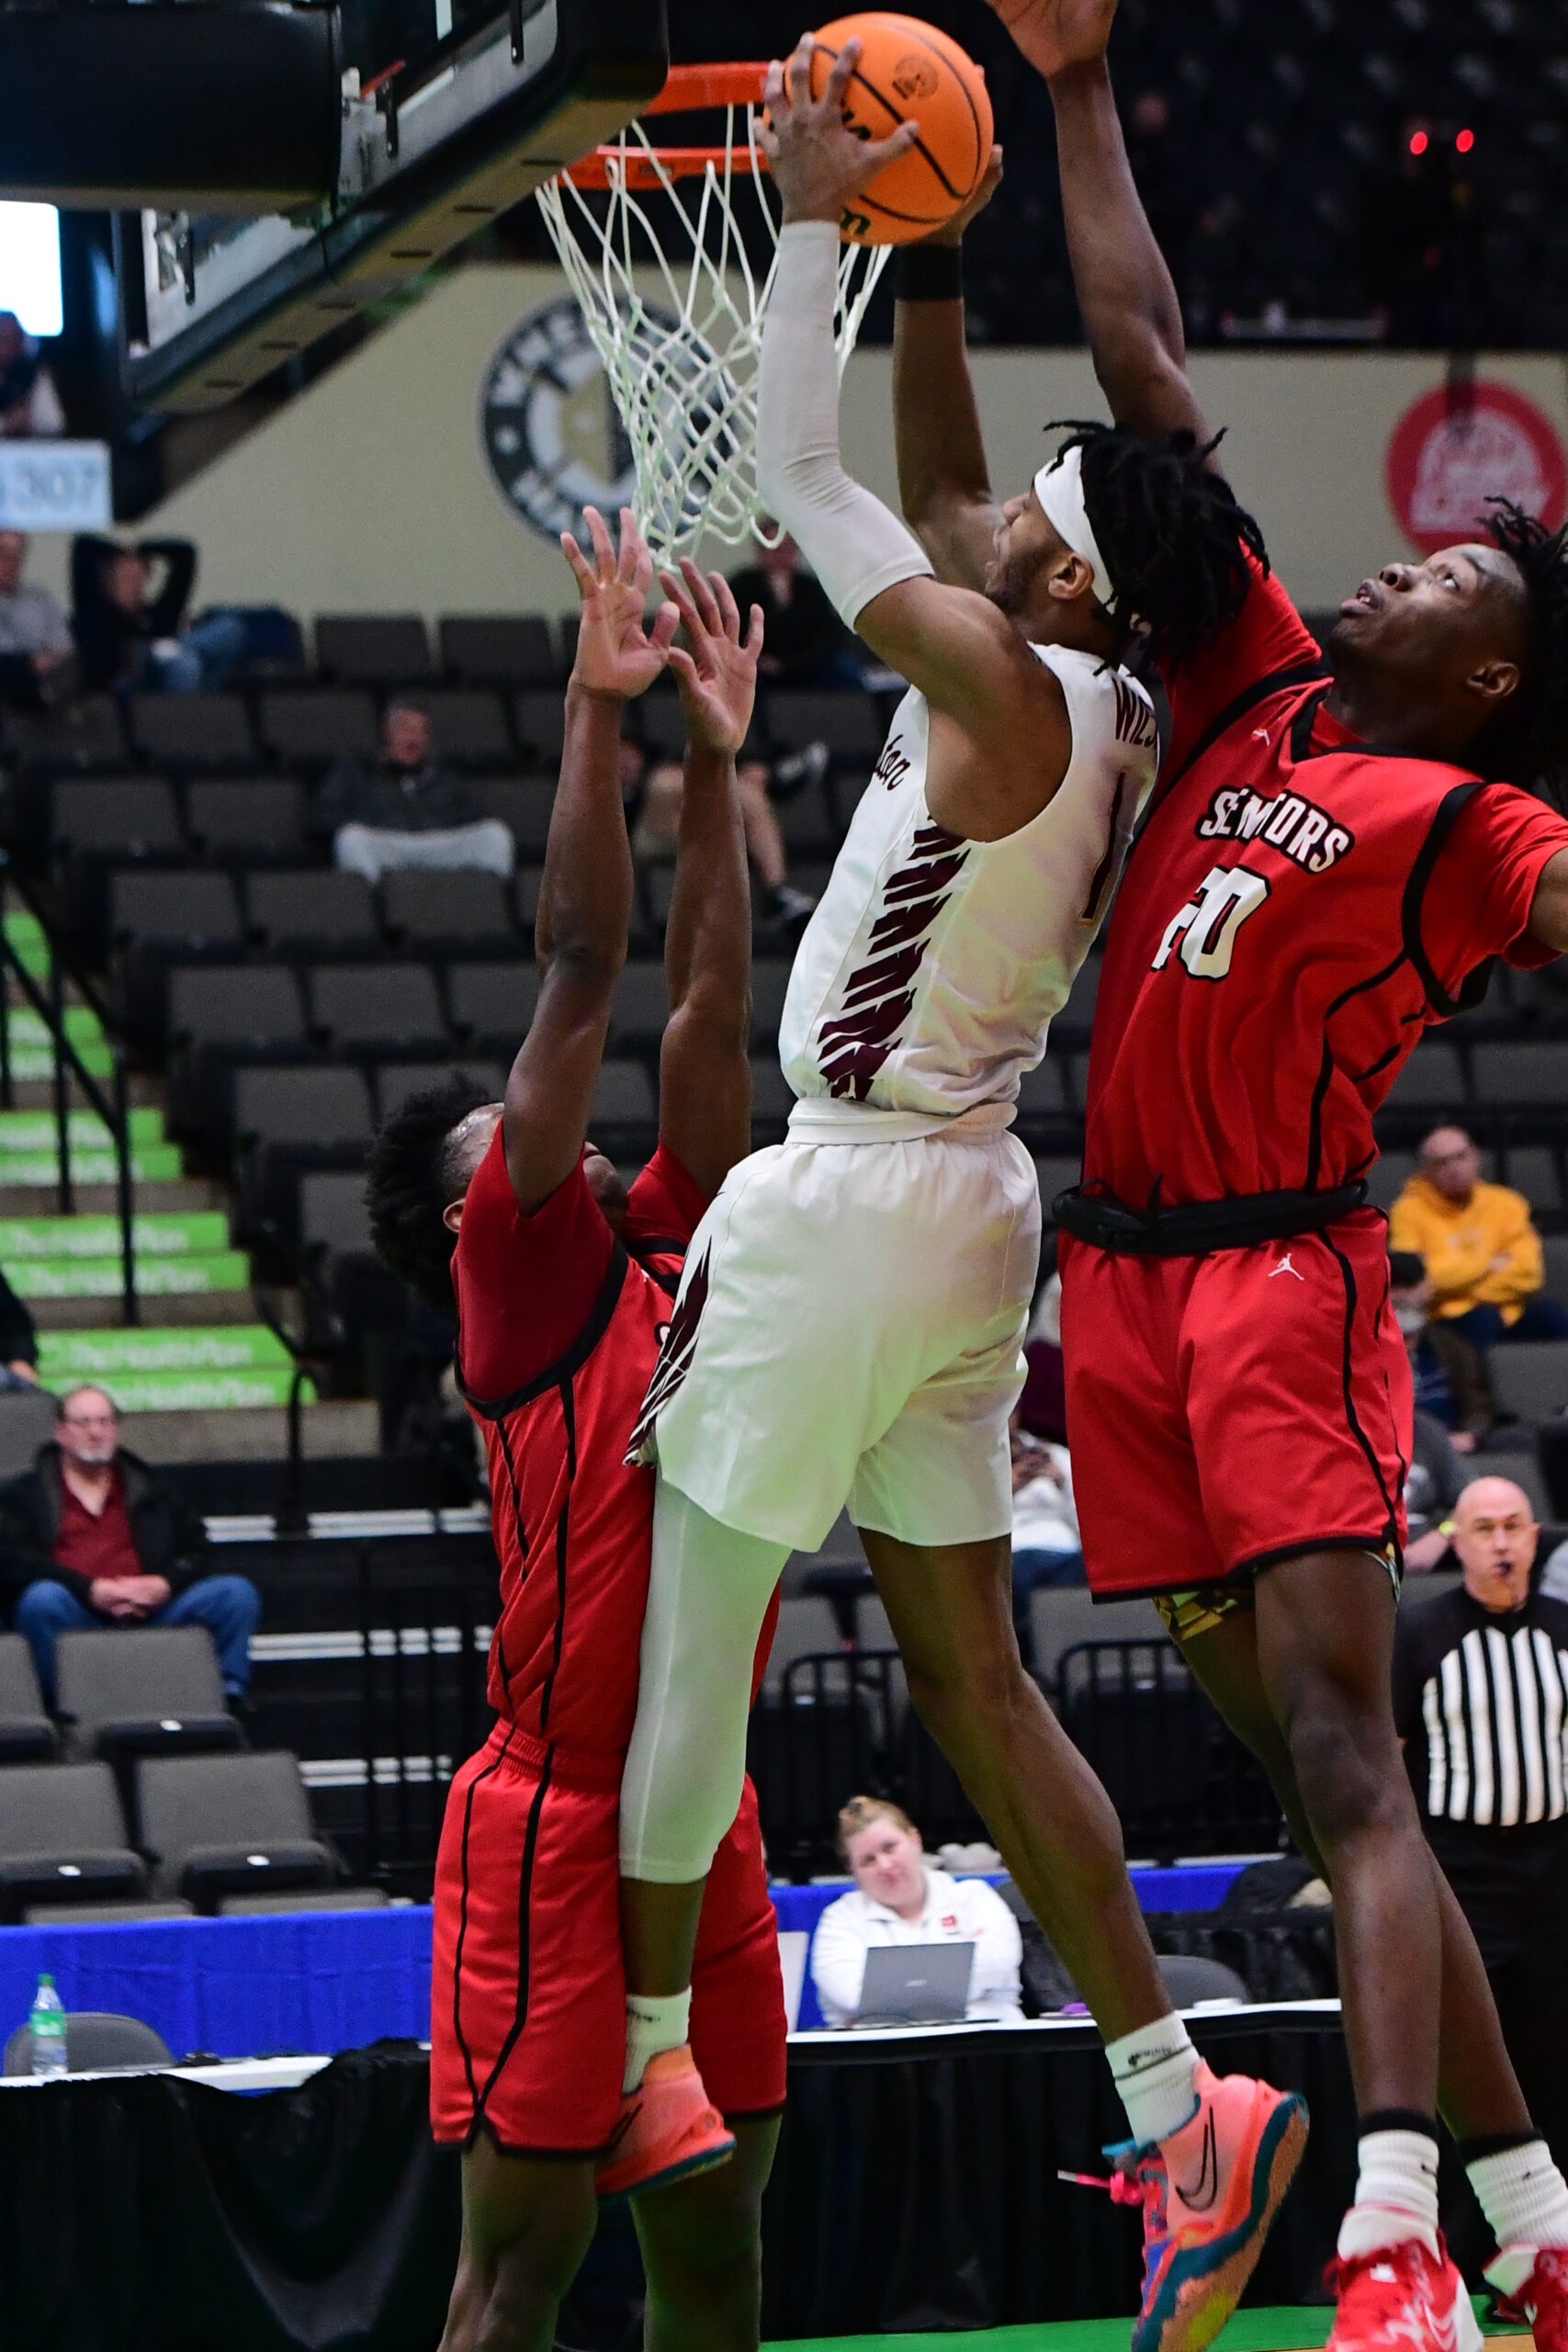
column 38, row 654
column 1481, row 1251
column 1480, row 1679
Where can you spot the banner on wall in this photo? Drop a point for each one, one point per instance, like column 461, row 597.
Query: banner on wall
column 1460, row 445
column 552, row 441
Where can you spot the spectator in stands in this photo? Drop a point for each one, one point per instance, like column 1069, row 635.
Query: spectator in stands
column 806, row 642
column 1047, row 1546
column 128, row 607
column 29, row 405
column 37, row 652
column 19, row 1342
column 658, row 826
column 90, row 1536
column 1481, row 1254
column 898, row 1898
column 405, row 808
column 1478, row 1678
column 1433, row 1485
column 1449, row 1375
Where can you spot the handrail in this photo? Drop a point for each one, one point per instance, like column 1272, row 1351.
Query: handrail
column 113, row 1109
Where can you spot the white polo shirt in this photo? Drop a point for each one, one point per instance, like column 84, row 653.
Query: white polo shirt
column 957, row 1911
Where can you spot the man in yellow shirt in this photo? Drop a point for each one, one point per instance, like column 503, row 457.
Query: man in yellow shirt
column 1481, row 1254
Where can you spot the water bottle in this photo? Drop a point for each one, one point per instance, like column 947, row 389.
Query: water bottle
column 47, row 2023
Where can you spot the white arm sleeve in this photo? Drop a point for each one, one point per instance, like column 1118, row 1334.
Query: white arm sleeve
column 856, row 546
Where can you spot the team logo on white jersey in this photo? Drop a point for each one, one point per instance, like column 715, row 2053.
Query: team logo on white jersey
column 677, row 1347
column 879, row 994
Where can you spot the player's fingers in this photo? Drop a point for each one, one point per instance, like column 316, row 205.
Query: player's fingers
column 729, row 611
column 680, row 602
column 840, row 76
column 798, row 72
column 634, row 551
column 581, row 568
column 661, row 631
column 685, row 669
column 877, row 152
column 776, row 98
column 603, row 553
column 702, row 597
column 755, row 632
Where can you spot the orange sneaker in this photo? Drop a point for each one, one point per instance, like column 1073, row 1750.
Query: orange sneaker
column 1401, row 2295
column 666, row 2130
column 1209, row 2195
column 1531, row 2284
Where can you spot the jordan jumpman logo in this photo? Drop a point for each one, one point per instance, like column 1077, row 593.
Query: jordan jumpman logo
column 1284, row 1266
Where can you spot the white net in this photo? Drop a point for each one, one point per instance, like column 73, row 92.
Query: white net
column 680, row 330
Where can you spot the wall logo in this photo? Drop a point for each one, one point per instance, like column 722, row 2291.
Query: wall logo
column 552, row 438
column 1455, row 447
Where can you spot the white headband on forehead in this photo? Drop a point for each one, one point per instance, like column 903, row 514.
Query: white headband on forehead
column 1059, row 489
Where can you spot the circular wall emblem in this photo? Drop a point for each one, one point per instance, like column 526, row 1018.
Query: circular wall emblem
column 1454, row 449
column 552, row 438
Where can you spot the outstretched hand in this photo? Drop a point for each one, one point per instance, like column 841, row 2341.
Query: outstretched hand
column 1054, row 34
column 618, row 652
column 817, row 160
column 717, row 669
column 951, row 232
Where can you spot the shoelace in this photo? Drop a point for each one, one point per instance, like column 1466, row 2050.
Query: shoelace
column 1118, row 2188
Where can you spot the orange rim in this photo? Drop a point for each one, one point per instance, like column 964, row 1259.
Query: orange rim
column 687, row 90
column 692, row 86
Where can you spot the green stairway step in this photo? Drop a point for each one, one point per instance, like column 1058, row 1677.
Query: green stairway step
column 27, row 936
column 190, row 1392
column 201, row 1232
column 25, row 1027
column 165, row 1277
column 38, row 1061
column 156, row 1164
column 36, row 1131
column 154, row 1352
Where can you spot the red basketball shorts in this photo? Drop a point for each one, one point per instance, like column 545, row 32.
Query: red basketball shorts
column 1229, row 1411
column 527, row 2026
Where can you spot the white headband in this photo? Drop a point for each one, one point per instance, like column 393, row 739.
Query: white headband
column 1059, row 489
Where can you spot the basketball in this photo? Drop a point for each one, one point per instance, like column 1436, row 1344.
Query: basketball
column 909, row 69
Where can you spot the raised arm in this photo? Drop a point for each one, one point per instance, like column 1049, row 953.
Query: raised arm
column 704, row 1072
column 953, row 643
column 1130, row 311
column 585, row 900
column 944, row 485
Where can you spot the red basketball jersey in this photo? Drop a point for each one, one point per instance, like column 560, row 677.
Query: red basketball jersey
column 1297, row 908
column 559, row 1333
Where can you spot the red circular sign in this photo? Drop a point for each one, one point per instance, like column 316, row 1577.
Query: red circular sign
column 1460, row 444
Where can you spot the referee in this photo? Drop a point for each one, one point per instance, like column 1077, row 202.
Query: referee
column 1480, row 1703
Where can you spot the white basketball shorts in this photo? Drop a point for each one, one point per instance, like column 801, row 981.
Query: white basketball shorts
column 850, row 1329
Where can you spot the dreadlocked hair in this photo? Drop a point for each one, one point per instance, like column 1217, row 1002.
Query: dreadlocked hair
column 1174, row 538
column 1527, row 741
column 412, row 1179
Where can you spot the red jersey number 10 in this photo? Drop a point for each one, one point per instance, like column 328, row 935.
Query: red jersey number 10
column 1207, row 925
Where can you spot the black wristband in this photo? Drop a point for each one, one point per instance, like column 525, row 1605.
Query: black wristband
column 928, row 274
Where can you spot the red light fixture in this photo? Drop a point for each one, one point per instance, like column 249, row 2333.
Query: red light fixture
column 1418, row 142
column 1465, row 141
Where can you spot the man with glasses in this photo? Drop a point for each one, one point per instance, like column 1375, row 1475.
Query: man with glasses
column 90, row 1537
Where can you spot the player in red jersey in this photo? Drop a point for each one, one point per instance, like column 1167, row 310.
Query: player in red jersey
column 1326, row 866
column 563, row 1279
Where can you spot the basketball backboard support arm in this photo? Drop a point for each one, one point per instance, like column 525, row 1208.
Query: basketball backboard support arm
column 209, row 305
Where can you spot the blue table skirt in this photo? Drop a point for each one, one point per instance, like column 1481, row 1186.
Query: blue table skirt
column 324, row 1981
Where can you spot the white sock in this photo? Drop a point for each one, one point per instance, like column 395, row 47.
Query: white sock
column 655, row 2022
column 1523, row 2195
column 1396, row 2194
column 1156, row 2071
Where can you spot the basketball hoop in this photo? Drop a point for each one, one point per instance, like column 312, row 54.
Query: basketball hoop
column 682, row 370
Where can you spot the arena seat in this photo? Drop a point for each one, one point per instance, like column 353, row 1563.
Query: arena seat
column 468, row 728
column 157, row 921
column 624, row 1096
column 287, row 1120
column 333, row 1213
column 96, row 2042
column 335, row 1898
column 220, row 1016
column 499, row 649
column 216, row 1826
column 465, row 913
column 538, row 721
column 1536, row 1170
column 1057, row 1174
column 772, row 1097
column 641, row 1007
column 848, row 721
column 490, row 1005
column 82, row 736
column 1432, row 1078
column 141, row 1691
column 1044, row 1091
column 1062, row 1616
column 806, row 1628
column 240, row 824
column 194, row 733
column 27, row 1735
column 1530, row 1377
column 1534, row 1072
column 63, row 1836
column 374, row 649
column 770, row 986
column 323, row 913
column 96, row 828
column 1190, row 1980
column 399, row 1081
column 308, row 727
column 388, row 1009
column 1387, row 1178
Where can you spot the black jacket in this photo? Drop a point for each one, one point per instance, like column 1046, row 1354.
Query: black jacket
column 113, row 644
column 18, row 1338
column 168, row 1536
column 396, row 800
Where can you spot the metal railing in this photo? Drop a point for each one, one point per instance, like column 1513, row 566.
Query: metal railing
column 423, row 1645
column 47, row 1001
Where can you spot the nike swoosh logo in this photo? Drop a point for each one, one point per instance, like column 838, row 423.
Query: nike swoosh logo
column 1201, row 2195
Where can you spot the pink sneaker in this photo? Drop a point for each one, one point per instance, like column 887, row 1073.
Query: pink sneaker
column 667, row 2130
column 1399, row 2296
column 1532, row 2282
column 1209, row 2194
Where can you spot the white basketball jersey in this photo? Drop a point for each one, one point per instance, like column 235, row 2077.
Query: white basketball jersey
column 930, row 972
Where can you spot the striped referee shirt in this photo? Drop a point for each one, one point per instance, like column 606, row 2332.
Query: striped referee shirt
column 1480, row 1701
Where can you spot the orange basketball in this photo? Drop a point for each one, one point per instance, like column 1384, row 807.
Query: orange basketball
column 908, row 69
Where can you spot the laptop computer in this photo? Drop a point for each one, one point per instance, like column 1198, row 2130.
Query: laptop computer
column 916, row 1984
column 793, row 1946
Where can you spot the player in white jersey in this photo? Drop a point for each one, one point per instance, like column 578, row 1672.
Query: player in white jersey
column 850, row 1324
